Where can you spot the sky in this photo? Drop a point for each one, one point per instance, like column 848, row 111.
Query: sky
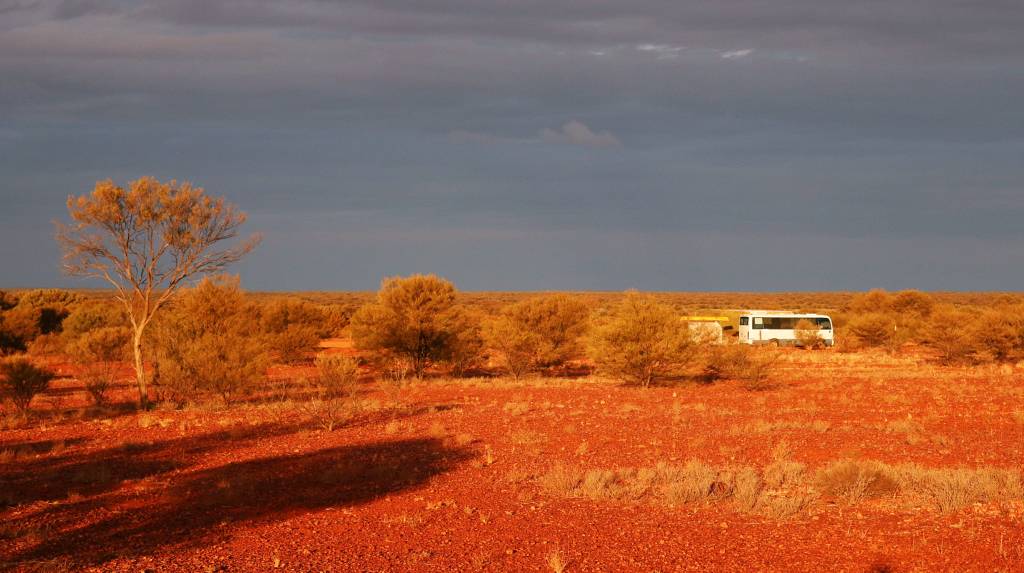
column 537, row 144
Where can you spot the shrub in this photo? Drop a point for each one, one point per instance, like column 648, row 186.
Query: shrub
column 49, row 306
column 209, row 343
column 339, row 374
column 641, row 340
column 808, row 335
column 890, row 320
column 466, row 350
column 517, row 345
column 952, row 334
column 872, row 329
column 18, row 328
column 23, row 380
column 7, row 301
column 98, row 352
column 750, row 365
column 89, row 316
column 293, row 327
column 415, row 317
column 998, row 333
column 558, row 321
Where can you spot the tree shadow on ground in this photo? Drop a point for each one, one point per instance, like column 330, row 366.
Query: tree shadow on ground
column 53, row 478
column 189, row 511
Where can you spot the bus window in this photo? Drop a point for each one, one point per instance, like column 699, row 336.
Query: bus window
column 824, row 323
column 758, row 322
column 744, row 320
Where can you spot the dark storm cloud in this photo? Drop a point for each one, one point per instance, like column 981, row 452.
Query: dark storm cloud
column 539, row 144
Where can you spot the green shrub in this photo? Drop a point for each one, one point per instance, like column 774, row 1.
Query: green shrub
column 640, row 341
column 872, row 329
column 517, row 345
column 558, row 321
column 466, row 349
column 413, row 317
column 93, row 315
column 951, row 332
column 23, row 380
column 998, row 333
column 880, row 319
column 293, row 327
column 209, row 343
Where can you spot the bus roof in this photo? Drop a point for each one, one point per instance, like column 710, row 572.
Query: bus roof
column 781, row 313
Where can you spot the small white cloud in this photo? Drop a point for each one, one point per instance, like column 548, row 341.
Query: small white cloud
column 577, row 133
column 597, row 52
column 735, row 54
column 662, row 51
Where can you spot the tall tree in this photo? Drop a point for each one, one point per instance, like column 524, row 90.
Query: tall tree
column 146, row 241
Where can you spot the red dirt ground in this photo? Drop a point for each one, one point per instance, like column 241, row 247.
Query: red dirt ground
column 448, row 484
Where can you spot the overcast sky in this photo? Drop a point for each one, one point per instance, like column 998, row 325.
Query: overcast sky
column 538, row 144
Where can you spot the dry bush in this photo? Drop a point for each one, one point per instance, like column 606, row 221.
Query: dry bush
column 33, row 315
column 951, row 332
column 872, row 329
column 558, row 321
column 90, row 316
column 465, row 350
column 98, row 353
column 880, row 319
column 998, row 333
column 394, row 375
column 209, row 343
column 517, row 345
column 752, row 366
column 808, row 335
column 293, row 327
column 339, row 374
column 640, row 341
column 23, row 380
column 329, row 412
column 413, row 317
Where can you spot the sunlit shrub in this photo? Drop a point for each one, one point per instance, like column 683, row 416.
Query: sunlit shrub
column 23, row 380
column 413, row 317
column 210, row 344
column 640, row 341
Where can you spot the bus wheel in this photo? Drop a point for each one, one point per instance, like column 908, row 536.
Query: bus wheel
column 774, row 342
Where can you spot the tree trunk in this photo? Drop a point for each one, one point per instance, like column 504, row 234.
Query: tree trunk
column 140, row 369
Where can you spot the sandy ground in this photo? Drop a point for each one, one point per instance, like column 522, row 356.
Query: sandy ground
column 451, row 479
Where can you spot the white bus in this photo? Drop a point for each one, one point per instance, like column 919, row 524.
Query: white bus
column 777, row 328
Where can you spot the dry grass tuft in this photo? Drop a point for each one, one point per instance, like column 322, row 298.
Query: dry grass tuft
column 562, row 480
column 517, row 408
column 853, row 481
column 557, row 563
column 688, row 484
column 747, row 489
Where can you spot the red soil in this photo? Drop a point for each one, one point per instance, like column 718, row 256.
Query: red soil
column 447, row 485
